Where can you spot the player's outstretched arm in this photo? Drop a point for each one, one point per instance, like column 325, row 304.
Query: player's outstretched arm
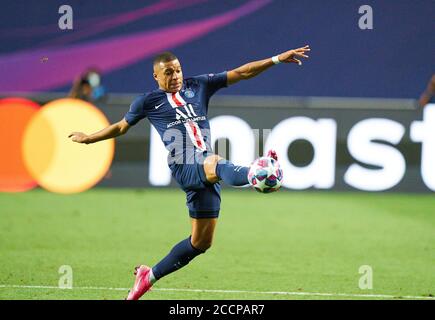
column 111, row 131
column 252, row 69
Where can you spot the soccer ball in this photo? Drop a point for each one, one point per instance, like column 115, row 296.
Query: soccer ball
column 265, row 175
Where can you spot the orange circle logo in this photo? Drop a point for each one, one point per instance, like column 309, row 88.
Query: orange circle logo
column 37, row 149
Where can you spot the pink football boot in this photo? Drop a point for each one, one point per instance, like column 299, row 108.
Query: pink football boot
column 272, row 154
column 142, row 283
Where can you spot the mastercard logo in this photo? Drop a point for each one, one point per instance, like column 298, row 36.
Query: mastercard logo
column 35, row 149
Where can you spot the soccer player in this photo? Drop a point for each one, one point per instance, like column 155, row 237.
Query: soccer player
column 178, row 111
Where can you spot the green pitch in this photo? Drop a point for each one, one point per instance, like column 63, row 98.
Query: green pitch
column 278, row 246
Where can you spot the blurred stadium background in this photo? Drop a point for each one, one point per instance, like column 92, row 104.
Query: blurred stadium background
column 356, row 146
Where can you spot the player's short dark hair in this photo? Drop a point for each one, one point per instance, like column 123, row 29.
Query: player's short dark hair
column 84, row 81
column 164, row 57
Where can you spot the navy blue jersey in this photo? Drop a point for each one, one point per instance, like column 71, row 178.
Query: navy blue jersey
column 180, row 118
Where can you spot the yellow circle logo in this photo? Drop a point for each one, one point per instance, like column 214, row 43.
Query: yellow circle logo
column 54, row 161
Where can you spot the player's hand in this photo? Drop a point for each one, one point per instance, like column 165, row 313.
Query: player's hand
column 79, row 137
column 294, row 56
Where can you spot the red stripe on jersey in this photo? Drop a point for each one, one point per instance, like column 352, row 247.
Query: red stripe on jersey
column 195, row 134
column 177, row 102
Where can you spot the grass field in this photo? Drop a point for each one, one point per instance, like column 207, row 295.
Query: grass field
column 279, row 246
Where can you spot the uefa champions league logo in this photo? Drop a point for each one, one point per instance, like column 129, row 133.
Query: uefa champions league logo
column 189, row 93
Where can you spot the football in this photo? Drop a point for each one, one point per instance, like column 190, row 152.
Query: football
column 265, row 175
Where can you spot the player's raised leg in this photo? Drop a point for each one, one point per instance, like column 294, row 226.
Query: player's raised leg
column 180, row 255
column 217, row 168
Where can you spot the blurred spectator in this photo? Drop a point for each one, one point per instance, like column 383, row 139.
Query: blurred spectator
column 88, row 86
column 428, row 96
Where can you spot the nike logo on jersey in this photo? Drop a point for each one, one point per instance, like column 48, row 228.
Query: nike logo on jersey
column 158, row 106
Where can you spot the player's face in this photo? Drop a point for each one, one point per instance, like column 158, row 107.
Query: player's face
column 169, row 76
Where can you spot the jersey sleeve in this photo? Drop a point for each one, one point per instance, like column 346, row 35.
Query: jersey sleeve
column 137, row 111
column 213, row 81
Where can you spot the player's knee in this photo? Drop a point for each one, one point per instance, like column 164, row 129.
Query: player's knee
column 210, row 167
column 202, row 244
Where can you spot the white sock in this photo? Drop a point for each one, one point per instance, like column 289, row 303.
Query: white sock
column 151, row 277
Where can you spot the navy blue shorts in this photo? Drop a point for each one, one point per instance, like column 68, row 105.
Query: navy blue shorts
column 203, row 199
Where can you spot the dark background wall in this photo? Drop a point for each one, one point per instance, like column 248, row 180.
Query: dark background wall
column 130, row 167
column 131, row 162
